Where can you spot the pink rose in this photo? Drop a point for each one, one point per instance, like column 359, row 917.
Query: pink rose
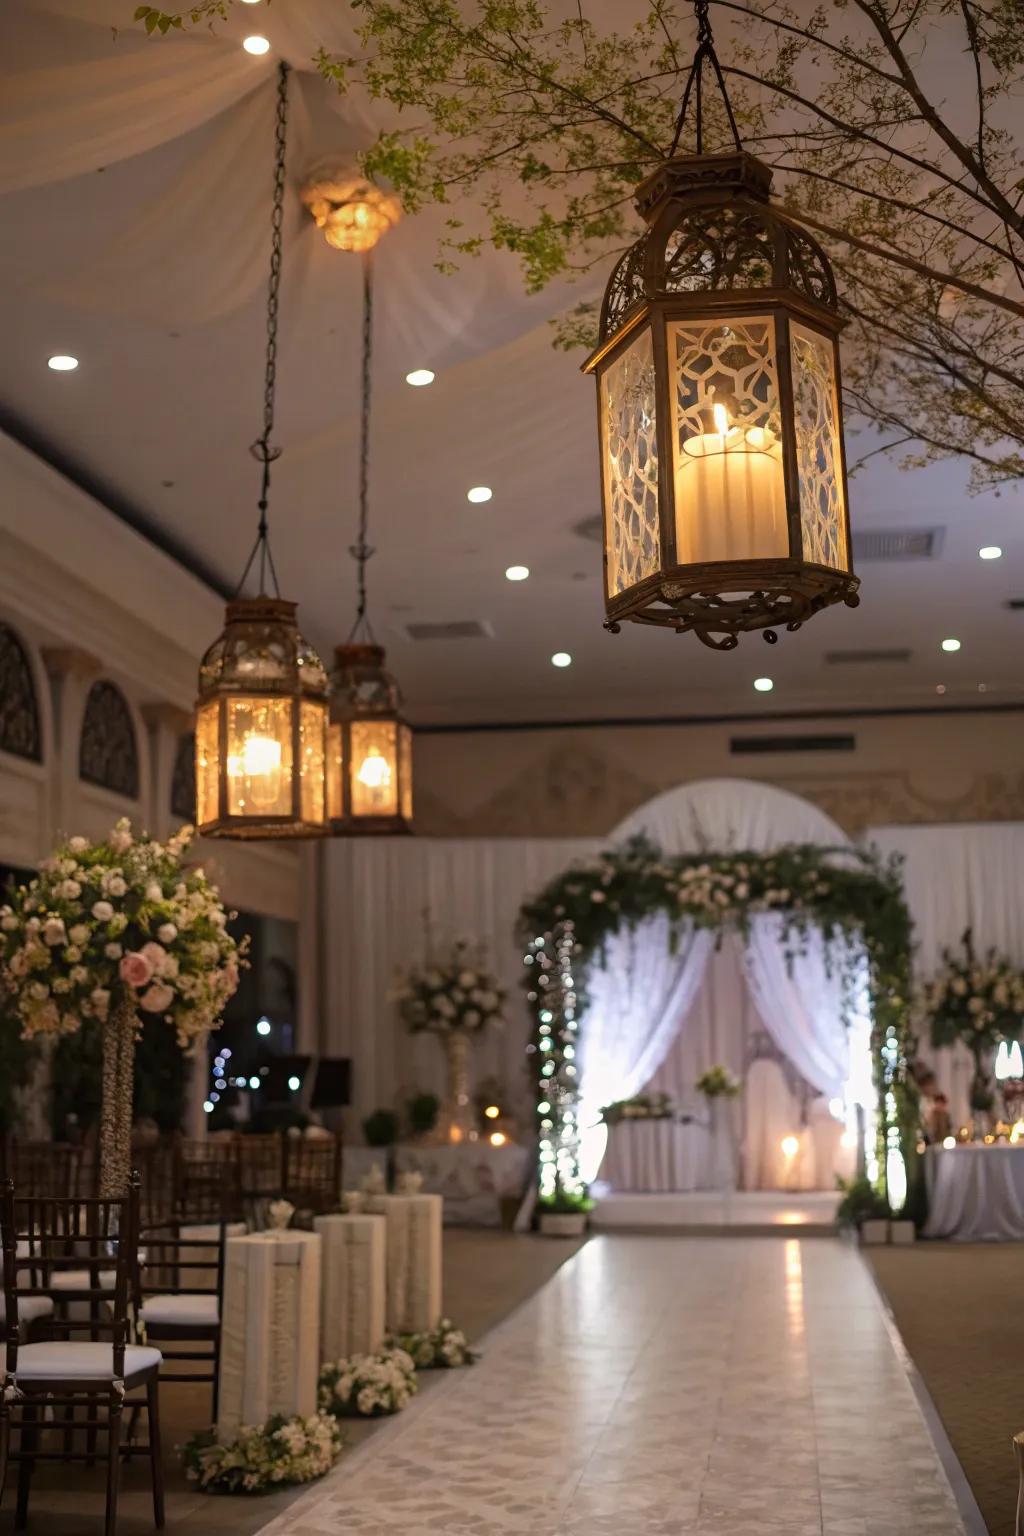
column 157, row 998
column 136, row 969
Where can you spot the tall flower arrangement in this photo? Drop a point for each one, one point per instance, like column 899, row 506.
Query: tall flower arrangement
column 978, row 1000
column 108, row 932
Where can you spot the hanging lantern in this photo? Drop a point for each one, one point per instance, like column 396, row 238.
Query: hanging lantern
column 261, row 726
column 719, row 406
column 261, row 715
column 369, row 746
column 351, row 211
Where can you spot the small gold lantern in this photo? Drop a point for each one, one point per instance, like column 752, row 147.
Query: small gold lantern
column 352, row 212
column 369, row 746
column 261, row 727
column 720, row 414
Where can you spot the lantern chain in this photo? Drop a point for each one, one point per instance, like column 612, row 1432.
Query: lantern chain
column 361, row 551
column 704, row 54
column 262, row 449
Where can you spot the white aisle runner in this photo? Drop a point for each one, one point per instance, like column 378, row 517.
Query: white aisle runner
column 661, row 1386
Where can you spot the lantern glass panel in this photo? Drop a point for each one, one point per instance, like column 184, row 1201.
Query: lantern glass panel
column 730, row 487
column 818, row 448
column 259, row 756
column 405, row 770
column 374, row 779
column 207, row 762
column 312, row 744
column 335, row 768
column 630, row 455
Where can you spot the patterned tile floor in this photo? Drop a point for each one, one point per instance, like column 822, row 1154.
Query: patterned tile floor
column 663, row 1386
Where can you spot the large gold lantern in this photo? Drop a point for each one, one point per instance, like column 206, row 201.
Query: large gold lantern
column 369, row 746
column 719, row 406
column 261, row 727
column 261, row 714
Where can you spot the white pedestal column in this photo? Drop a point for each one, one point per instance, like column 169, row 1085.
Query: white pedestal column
column 353, row 1292
column 413, row 1259
column 270, row 1345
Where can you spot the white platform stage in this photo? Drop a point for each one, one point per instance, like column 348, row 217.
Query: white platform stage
column 706, row 1211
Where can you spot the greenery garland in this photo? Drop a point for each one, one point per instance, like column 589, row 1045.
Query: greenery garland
column 846, row 893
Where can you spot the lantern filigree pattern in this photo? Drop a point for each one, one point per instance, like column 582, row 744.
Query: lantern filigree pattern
column 723, row 474
column 369, row 746
column 261, row 727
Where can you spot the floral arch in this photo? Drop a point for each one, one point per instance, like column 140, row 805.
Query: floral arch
column 700, row 860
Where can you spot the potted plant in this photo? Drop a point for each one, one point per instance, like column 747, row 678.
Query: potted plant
column 863, row 1208
column 423, row 1110
column 564, row 1214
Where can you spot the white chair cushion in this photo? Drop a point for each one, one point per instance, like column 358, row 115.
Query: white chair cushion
column 81, row 1280
column 66, row 1360
column 29, row 1307
column 181, row 1310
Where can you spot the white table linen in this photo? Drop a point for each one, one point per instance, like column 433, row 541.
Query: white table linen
column 975, row 1193
column 656, row 1157
column 353, row 1294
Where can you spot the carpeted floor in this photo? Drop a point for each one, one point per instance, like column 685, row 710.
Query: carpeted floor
column 956, row 1307
column 486, row 1276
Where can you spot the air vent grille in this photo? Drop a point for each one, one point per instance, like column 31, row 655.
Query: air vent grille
column 453, row 629
column 897, row 544
column 1015, row 604
column 591, row 528
column 863, row 658
column 747, row 745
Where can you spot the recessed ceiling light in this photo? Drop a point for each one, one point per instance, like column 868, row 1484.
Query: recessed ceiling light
column 479, row 493
column 940, row 687
column 990, row 552
column 62, row 363
column 763, row 684
column 950, row 644
column 983, row 687
column 256, row 44
column 419, row 377
column 561, row 659
column 517, row 572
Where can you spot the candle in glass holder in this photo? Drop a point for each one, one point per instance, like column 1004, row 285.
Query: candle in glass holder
column 730, row 494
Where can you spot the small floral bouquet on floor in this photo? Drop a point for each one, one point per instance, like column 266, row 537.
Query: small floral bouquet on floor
column 452, row 993
column 644, row 1106
column 277, row 1454
column 366, row 1386
column 439, row 1348
column 122, row 923
column 718, row 1083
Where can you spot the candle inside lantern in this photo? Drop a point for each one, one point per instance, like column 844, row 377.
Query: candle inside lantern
column 374, row 770
column 730, row 494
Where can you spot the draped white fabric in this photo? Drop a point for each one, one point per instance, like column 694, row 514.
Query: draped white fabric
column 730, row 813
column 798, row 995
column 771, row 1113
column 638, row 997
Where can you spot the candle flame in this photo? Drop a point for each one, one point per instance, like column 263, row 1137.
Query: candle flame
column 721, row 416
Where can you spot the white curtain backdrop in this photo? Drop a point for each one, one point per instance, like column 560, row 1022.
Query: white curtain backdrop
column 771, row 1113
column 799, row 997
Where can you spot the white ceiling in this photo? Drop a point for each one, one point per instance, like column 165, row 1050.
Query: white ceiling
column 151, row 271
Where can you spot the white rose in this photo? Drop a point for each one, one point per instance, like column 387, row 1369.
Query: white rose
column 39, row 990
column 102, row 911
column 958, row 986
column 72, row 954
column 79, row 934
column 8, row 922
column 116, row 886
column 154, row 891
column 113, row 951
column 471, row 1017
column 70, row 890
column 467, row 980
column 54, row 931
column 975, row 1005
column 120, row 840
column 100, row 999
column 79, row 975
column 167, row 933
column 78, row 844
column 61, row 984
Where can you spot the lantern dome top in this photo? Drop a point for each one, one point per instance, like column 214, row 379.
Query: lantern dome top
column 362, row 683
column 712, row 228
column 261, row 650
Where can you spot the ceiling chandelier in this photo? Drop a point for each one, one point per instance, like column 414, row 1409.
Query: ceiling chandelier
column 261, row 715
column 719, row 402
column 351, row 211
column 369, row 744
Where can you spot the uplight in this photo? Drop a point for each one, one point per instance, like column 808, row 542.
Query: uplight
column 950, row 644
column 763, row 684
column 561, row 659
column 790, row 1146
column 419, row 378
column 62, row 362
column 517, row 572
column 990, row 552
column 479, row 493
column 256, row 44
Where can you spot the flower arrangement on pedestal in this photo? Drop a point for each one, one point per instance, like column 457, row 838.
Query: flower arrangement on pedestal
column 107, row 931
column 276, row 1454
column 453, row 997
column 718, row 1083
column 643, row 1106
column 440, row 1348
column 979, row 1001
column 366, row 1386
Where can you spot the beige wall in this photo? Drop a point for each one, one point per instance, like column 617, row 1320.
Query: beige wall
column 582, row 781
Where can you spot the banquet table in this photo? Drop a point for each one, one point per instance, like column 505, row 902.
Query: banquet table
column 658, row 1156
column 474, row 1177
column 975, row 1192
